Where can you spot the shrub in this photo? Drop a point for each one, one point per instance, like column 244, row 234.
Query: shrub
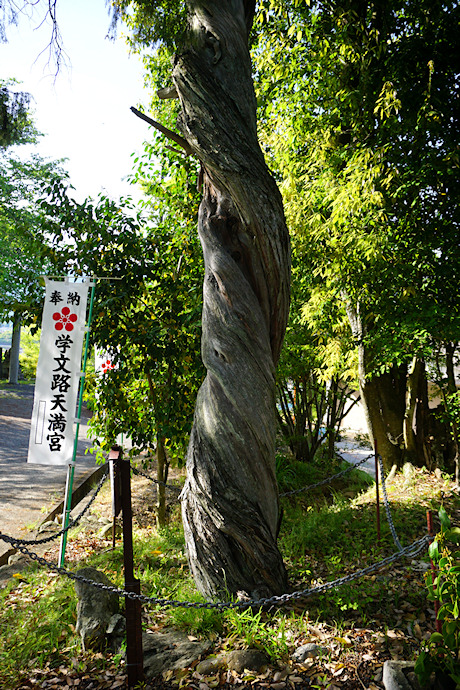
column 441, row 653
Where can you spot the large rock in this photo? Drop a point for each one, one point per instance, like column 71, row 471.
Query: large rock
column 170, row 651
column 95, row 609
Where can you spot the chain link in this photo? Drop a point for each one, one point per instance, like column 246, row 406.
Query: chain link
column 328, row 480
column 72, row 523
column 155, row 481
column 410, row 551
column 387, row 507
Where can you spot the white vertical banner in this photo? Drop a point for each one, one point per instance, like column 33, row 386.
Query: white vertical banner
column 58, row 373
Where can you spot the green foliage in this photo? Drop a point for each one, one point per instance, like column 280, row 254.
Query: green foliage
column 294, row 474
column 151, row 22
column 16, row 123
column 315, row 370
column 352, row 105
column 321, row 530
column 23, row 245
column 453, row 408
column 146, row 312
column 30, row 347
column 359, row 117
column 196, row 621
column 441, row 652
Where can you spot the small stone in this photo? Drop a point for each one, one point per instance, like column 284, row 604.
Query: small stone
column 211, row 665
column 241, row 659
column 307, row 651
column 18, row 558
column 280, row 675
column 394, row 675
column 408, row 471
column 49, row 526
column 116, row 632
column 107, row 531
column 378, row 675
column 169, row 651
column 104, row 521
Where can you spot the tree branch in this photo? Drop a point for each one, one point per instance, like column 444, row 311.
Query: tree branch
column 164, row 130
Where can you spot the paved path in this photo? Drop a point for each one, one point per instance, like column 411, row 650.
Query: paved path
column 28, row 491
column 354, row 452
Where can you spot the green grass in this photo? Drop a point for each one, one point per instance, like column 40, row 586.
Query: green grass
column 37, row 624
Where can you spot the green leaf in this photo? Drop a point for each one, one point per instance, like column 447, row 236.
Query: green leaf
column 444, row 518
column 453, row 535
column 436, row 638
column 433, row 550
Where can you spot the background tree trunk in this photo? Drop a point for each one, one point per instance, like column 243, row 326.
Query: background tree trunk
column 162, row 476
column 416, row 416
column 13, row 376
column 230, row 501
column 383, row 397
column 451, row 389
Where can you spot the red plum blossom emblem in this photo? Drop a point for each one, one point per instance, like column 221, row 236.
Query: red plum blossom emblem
column 64, row 319
column 106, row 366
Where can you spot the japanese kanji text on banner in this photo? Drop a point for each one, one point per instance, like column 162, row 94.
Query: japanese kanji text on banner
column 58, row 373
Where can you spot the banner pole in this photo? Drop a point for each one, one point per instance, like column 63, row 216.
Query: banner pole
column 71, row 469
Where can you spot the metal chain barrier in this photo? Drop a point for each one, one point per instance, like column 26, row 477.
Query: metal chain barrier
column 72, row 523
column 387, row 506
column 155, row 481
column 310, row 487
column 410, row 551
column 328, row 480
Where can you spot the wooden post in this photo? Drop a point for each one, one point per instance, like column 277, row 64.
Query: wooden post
column 134, row 654
column 377, row 498
column 115, row 485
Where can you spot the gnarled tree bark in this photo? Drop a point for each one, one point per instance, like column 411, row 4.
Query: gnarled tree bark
column 230, row 501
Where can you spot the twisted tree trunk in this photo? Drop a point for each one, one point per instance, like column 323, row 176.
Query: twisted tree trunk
column 230, row 501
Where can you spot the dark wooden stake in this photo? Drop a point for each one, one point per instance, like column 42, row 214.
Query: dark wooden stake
column 377, row 497
column 429, row 522
column 134, row 654
column 115, row 484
